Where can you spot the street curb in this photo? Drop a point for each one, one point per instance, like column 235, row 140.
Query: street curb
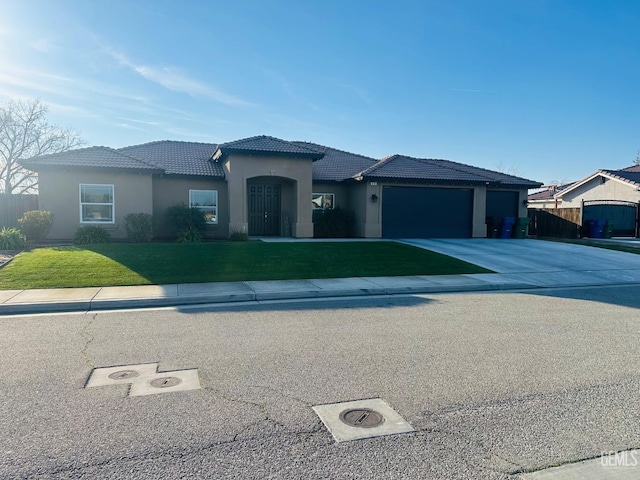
column 190, row 300
column 237, row 298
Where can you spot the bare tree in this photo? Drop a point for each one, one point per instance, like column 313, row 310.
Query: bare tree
column 637, row 160
column 25, row 133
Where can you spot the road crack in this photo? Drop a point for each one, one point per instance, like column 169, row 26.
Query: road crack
column 89, row 338
column 266, row 416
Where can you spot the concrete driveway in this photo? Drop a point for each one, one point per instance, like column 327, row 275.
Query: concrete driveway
column 541, row 262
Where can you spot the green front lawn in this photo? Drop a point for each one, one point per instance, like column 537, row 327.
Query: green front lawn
column 162, row 263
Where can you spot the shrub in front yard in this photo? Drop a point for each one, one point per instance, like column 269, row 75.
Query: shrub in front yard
column 139, row 227
column 35, row 224
column 191, row 235
column 12, row 239
column 238, row 236
column 186, row 222
column 91, row 234
column 333, row 223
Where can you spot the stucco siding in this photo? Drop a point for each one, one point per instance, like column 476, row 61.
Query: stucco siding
column 172, row 190
column 596, row 190
column 338, row 190
column 356, row 194
column 539, row 204
column 295, row 173
column 59, row 192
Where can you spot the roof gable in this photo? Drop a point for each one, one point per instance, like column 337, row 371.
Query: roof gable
column 265, row 145
column 629, row 178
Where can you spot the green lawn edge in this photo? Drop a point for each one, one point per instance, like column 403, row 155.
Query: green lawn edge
column 589, row 242
column 122, row 264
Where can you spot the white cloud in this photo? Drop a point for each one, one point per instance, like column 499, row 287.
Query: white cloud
column 40, row 81
column 172, row 79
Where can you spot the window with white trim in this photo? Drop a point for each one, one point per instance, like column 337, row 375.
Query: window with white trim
column 323, row 201
column 207, row 201
column 96, row 203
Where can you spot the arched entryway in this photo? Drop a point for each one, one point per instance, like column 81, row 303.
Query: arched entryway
column 270, row 206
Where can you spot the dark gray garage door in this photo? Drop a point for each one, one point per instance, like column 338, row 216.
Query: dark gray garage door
column 413, row 212
column 502, row 203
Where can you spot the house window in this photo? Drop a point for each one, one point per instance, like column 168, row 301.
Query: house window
column 207, row 201
column 96, row 203
column 324, row 201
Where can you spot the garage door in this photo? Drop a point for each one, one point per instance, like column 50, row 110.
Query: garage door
column 502, row 203
column 414, row 212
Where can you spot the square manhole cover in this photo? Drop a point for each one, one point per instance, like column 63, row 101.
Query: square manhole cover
column 361, row 419
column 145, row 379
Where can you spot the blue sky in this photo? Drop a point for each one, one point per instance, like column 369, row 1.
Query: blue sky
column 548, row 90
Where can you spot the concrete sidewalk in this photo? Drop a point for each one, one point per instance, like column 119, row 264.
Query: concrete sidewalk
column 144, row 296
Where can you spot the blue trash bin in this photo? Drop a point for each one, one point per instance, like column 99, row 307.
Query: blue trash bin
column 507, row 227
column 596, row 228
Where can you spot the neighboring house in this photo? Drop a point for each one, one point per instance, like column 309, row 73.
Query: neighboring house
column 268, row 186
column 612, row 195
column 546, row 198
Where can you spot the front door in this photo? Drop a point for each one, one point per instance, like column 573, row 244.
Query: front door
column 264, row 209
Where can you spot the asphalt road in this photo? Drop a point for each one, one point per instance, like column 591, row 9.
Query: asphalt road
column 494, row 384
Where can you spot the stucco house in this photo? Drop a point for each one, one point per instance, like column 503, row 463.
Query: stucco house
column 267, row 186
column 611, row 195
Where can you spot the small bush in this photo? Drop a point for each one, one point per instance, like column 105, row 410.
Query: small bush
column 183, row 220
column 191, row 235
column 238, row 236
column 91, row 234
column 35, row 224
column 334, row 223
column 12, row 239
column 139, row 227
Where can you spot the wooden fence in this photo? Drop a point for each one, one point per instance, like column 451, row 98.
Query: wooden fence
column 12, row 207
column 555, row 222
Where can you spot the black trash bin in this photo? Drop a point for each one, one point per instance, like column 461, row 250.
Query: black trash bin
column 493, row 227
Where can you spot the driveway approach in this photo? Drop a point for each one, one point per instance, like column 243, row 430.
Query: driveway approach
column 541, row 263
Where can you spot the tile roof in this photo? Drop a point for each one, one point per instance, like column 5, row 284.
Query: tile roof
column 178, row 158
column 549, row 193
column 330, row 164
column 627, row 175
column 401, row 167
column 265, row 144
column 632, row 168
column 91, row 157
column 336, row 165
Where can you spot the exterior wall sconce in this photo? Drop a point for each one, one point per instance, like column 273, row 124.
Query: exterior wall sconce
column 374, row 198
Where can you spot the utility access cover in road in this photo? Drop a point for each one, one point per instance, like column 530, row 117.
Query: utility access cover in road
column 144, row 379
column 361, row 419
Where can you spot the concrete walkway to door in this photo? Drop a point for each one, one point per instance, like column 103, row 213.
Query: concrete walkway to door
column 539, row 262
